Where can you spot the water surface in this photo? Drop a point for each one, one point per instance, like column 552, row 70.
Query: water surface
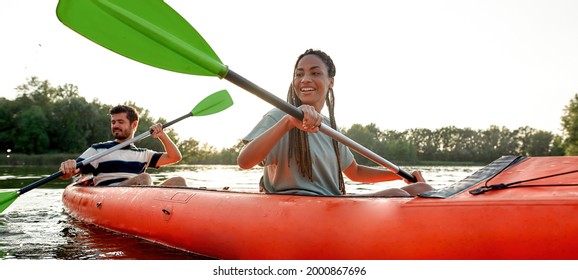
column 36, row 226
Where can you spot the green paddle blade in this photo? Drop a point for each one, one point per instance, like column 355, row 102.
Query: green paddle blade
column 6, row 199
column 148, row 31
column 213, row 103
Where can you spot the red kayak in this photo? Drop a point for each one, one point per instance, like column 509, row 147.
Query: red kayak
column 514, row 208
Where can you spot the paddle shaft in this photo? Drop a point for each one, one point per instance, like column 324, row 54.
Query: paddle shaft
column 272, row 99
column 99, row 155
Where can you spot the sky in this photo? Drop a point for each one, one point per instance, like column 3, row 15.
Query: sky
column 400, row 64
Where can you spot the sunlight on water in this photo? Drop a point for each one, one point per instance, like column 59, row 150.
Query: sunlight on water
column 216, row 177
column 220, row 176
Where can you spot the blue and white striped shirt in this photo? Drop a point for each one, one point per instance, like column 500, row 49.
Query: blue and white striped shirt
column 118, row 165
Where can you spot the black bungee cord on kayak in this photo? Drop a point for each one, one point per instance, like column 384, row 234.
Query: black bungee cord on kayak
column 502, row 186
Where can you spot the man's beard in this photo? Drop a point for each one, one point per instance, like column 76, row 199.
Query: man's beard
column 120, row 135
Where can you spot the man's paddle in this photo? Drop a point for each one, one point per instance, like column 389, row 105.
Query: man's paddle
column 153, row 33
column 212, row 104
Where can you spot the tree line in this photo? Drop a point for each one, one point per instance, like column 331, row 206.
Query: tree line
column 46, row 119
column 452, row 144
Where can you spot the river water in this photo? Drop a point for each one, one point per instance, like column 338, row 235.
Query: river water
column 36, row 227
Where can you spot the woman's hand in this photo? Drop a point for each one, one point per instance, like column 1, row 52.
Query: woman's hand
column 311, row 119
column 417, row 175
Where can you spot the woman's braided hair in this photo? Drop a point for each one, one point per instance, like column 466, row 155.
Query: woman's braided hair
column 298, row 142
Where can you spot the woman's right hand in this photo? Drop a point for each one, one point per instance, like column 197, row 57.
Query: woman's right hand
column 311, row 119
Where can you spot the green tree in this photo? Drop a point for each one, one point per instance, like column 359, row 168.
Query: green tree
column 540, row 143
column 497, row 141
column 558, row 148
column 61, row 112
column 367, row 136
column 7, row 115
column 45, row 118
column 533, row 142
column 229, row 155
column 83, row 124
column 425, row 142
column 570, row 127
column 388, row 144
column 50, row 119
column 467, row 146
column 400, row 150
column 188, row 148
column 197, row 153
column 31, row 131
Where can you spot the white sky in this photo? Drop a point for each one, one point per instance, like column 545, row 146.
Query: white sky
column 400, row 64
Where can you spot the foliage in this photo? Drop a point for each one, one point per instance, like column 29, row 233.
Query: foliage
column 570, row 126
column 452, row 144
column 389, row 144
column 44, row 119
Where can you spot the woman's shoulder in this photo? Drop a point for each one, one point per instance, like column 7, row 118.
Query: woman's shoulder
column 276, row 113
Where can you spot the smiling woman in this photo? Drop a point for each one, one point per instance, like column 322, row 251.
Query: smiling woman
column 297, row 159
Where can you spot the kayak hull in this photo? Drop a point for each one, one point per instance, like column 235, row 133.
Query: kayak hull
column 537, row 222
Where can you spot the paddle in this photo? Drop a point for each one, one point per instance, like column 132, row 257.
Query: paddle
column 212, row 104
column 153, row 33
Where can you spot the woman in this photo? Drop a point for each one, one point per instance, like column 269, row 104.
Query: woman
column 297, row 159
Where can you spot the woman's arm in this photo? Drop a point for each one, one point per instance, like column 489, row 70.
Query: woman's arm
column 367, row 174
column 256, row 150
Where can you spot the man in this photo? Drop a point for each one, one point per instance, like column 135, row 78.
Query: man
column 128, row 165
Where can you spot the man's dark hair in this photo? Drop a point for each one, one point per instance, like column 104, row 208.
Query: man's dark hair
column 131, row 113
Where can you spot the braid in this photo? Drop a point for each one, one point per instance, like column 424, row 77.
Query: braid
column 299, row 143
column 298, row 140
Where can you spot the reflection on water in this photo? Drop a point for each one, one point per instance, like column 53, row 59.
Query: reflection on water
column 35, row 226
column 86, row 241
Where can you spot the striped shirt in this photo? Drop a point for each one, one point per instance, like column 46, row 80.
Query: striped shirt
column 118, row 165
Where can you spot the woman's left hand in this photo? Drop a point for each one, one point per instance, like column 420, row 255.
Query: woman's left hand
column 417, row 175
